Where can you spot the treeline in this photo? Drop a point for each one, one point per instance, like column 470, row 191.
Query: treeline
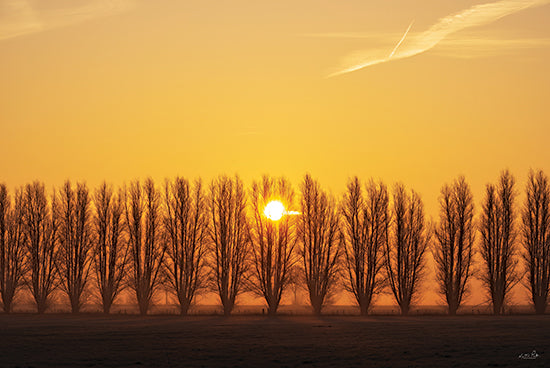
column 193, row 238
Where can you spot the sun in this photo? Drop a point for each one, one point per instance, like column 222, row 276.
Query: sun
column 274, row 210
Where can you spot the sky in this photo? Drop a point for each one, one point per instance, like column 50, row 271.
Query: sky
column 418, row 92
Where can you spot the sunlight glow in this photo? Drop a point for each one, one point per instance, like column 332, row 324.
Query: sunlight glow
column 274, row 210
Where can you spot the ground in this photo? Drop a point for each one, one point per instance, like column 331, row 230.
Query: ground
column 93, row 340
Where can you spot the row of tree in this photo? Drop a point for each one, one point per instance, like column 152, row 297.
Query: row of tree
column 193, row 239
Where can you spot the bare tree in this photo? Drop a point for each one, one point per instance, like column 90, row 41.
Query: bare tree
column 110, row 252
column 498, row 235
column 273, row 241
column 74, row 254
column 536, row 238
column 318, row 233
column 406, row 247
column 4, row 224
column 41, row 230
column 147, row 248
column 12, row 246
column 454, row 246
column 366, row 221
column 186, row 223
column 230, row 238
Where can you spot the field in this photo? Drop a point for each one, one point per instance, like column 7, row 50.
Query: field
column 94, row 340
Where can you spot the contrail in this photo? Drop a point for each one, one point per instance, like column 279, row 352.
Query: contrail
column 475, row 16
column 401, row 40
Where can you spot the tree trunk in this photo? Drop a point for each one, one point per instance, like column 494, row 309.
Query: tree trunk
column 7, row 306
column 364, row 304
column 106, row 307
column 7, row 300
column 364, row 307
column 540, row 304
column 317, row 305
column 317, row 310
column 498, row 304
column 41, row 306
column 227, row 309
column 453, row 307
column 272, row 310
column 75, row 306
column 184, row 307
column 143, row 307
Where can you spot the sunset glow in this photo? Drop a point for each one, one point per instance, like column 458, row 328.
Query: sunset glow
column 274, row 210
column 270, row 182
column 420, row 93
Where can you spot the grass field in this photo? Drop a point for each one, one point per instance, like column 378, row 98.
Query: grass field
column 93, row 340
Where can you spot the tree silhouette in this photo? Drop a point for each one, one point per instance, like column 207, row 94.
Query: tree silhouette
column 12, row 246
column 74, row 256
column 536, row 238
column 318, row 233
column 273, row 241
column 498, row 245
column 186, row 222
column 230, row 238
column 147, row 248
column 110, row 252
column 192, row 239
column 454, row 246
column 41, row 230
column 366, row 221
column 406, row 247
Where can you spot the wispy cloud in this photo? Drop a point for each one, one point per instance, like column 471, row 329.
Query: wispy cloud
column 468, row 48
column 462, row 46
column 416, row 44
column 18, row 17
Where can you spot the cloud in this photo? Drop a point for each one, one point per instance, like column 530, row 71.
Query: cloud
column 20, row 18
column 468, row 48
column 463, row 46
column 416, row 44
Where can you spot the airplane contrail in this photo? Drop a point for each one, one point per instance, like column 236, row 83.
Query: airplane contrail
column 475, row 16
column 401, row 40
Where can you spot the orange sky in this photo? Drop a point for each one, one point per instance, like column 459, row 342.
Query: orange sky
column 118, row 90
